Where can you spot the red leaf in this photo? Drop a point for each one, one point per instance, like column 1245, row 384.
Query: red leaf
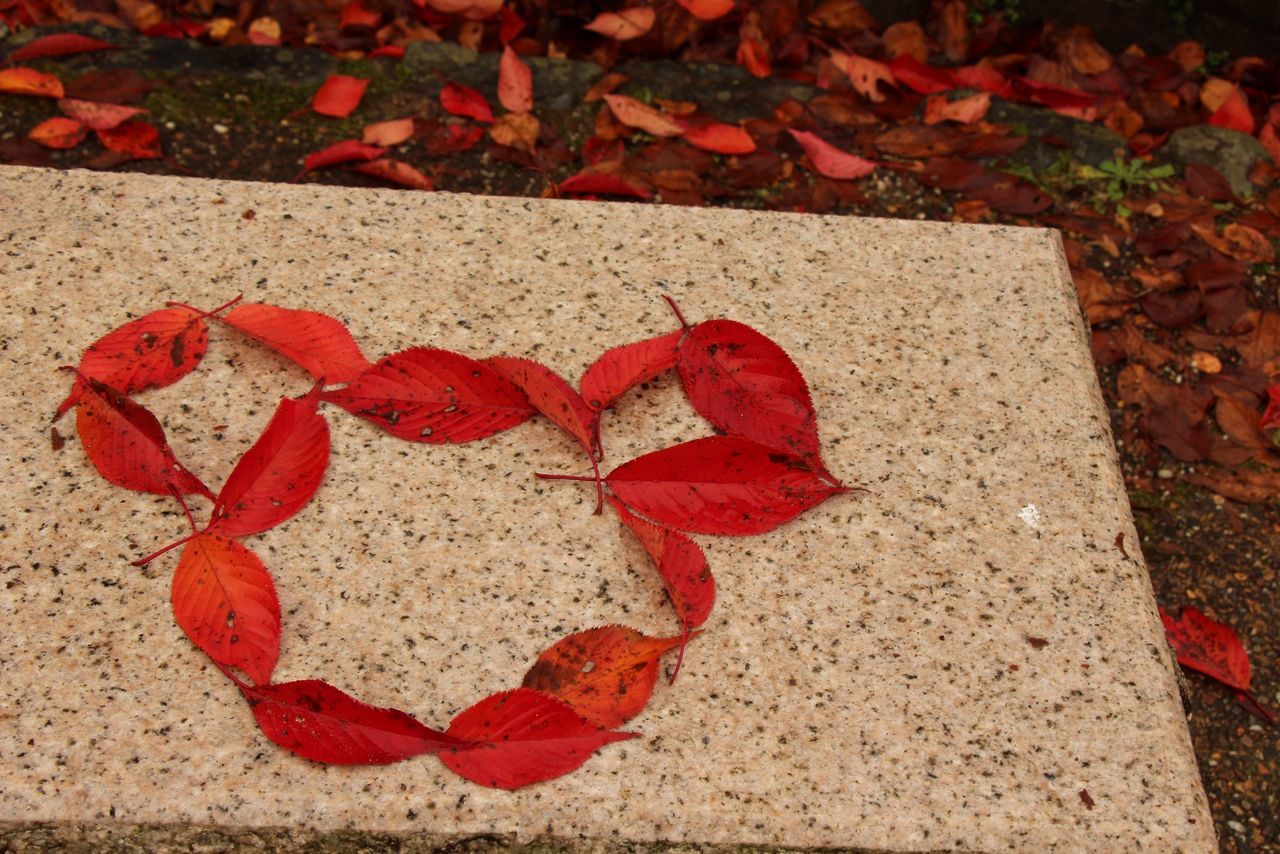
column 707, row 10
column 279, row 474
column 387, row 134
column 339, row 95
column 1208, row 646
column 1055, row 97
column 98, row 116
column 746, row 385
column 606, row 674
column 127, row 445
column 965, row 110
column 917, row 76
column 829, row 160
column 720, row 138
column 153, row 351
column 58, row 132
column 392, row 51
column 320, row 344
column 340, row 152
column 624, row 25
column 396, row 172
column 318, row 722
column 524, row 737
column 623, row 368
column 633, row 113
column 682, row 565
column 434, row 396
column 1271, row 416
column 354, row 14
column 602, row 184
column 719, row 485
column 983, row 77
column 1234, row 113
column 59, row 44
column 464, row 101
column 223, row 598
column 515, row 82
column 28, row 81
column 139, row 140
column 552, row 396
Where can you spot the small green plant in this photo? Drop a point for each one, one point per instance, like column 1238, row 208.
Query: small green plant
column 1010, row 10
column 1123, row 177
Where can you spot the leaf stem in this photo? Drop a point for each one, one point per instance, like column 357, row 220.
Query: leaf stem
column 684, row 324
column 546, row 476
column 146, row 560
column 177, row 493
column 203, row 314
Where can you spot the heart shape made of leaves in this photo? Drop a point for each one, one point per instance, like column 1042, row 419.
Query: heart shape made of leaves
column 761, row 469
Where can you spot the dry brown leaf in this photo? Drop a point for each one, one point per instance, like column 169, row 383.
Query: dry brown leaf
column 1099, row 297
column 906, row 38
column 953, row 30
column 604, row 86
column 842, row 16
column 141, row 14
column 1206, row 363
column 516, row 130
column 1080, row 51
column 1189, row 55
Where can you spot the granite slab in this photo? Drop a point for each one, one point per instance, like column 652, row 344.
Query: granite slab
column 958, row 658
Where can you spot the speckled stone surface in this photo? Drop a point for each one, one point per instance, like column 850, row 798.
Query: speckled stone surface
column 946, row 661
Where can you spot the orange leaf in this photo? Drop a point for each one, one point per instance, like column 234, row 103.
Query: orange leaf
column 397, row 172
column 707, row 10
column 633, row 113
column 471, row 10
column 515, row 82
column 58, row 132
column 339, row 95
column 720, row 138
column 829, row 160
column 865, row 74
column 965, row 111
column 28, row 81
column 754, row 56
column 139, row 140
column 98, row 116
column 340, row 152
column 354, row 14
column 1234, row 112
column 59, row 44
column 516, row 130
column 388, row 133
column 462, row 100
column 606, row 675
column 625, row 25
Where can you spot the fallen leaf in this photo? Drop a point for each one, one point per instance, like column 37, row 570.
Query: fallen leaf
column 356, row 14
column 28, row 81
column 606, row 675
column 340, row 152
column 720, row 138
column 59, row 44
column 471, row 10
column 633, row 113
column 138, row 139
column 523, row 737
column 602, row 184
column 552, row 396
column 1009, row 193
column 516, row 130
column 965, row 110
column 623, row 368
column 905, row 38
column 918, row 77
column 707, row 10
column 127, row 445
column 98, row 116
column 318, row 343
column 396, row 172
column 831, row 161
column 276, row 477
column 265, row 32
column 339, row 95
column 154, row 351
column 1082, row 52
column 515, row 82
column 1210, row 647
column 866, row 75
column 724, row 485
column 461, row 100
column 388, row 134
column 624, row 25
column 1234, row 113
column 953, row 30
column 318, row 722
column 58, row 132
column 434, row 396
column 225, row 601
column 983, row 77
column 1208, row 183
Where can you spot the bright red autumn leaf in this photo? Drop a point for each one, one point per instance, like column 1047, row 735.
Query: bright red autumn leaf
column 127, row 445
column 395, row 172
column 1208, row 646
column 746, row 385
column 625, row 24
column 606, row 674
column 1271, row 416
column 623, row 368
column 523, row 737
column 917, row 76
column 58, row 132
column 98, row 116
column 28, row 81
column 1234, row 112
column 319, row 722
column 389, row 133
column 279, row 474
column 340, row 152
column 434, row 396
column 320, row 344
column 723, row 485
column 515, row 82
column 551, row 395
column 1052, row 96
column 140, row 140
column 225, row 601
column 720, row 138
column 154, row 351
column 603, row 184
column 339, row 95
column 831, row 161
column 635, row 114
column 983, row 77
column 707, row 10
column 356, row 14
column 462, row 100
column 59, row 44
column 683, row 568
